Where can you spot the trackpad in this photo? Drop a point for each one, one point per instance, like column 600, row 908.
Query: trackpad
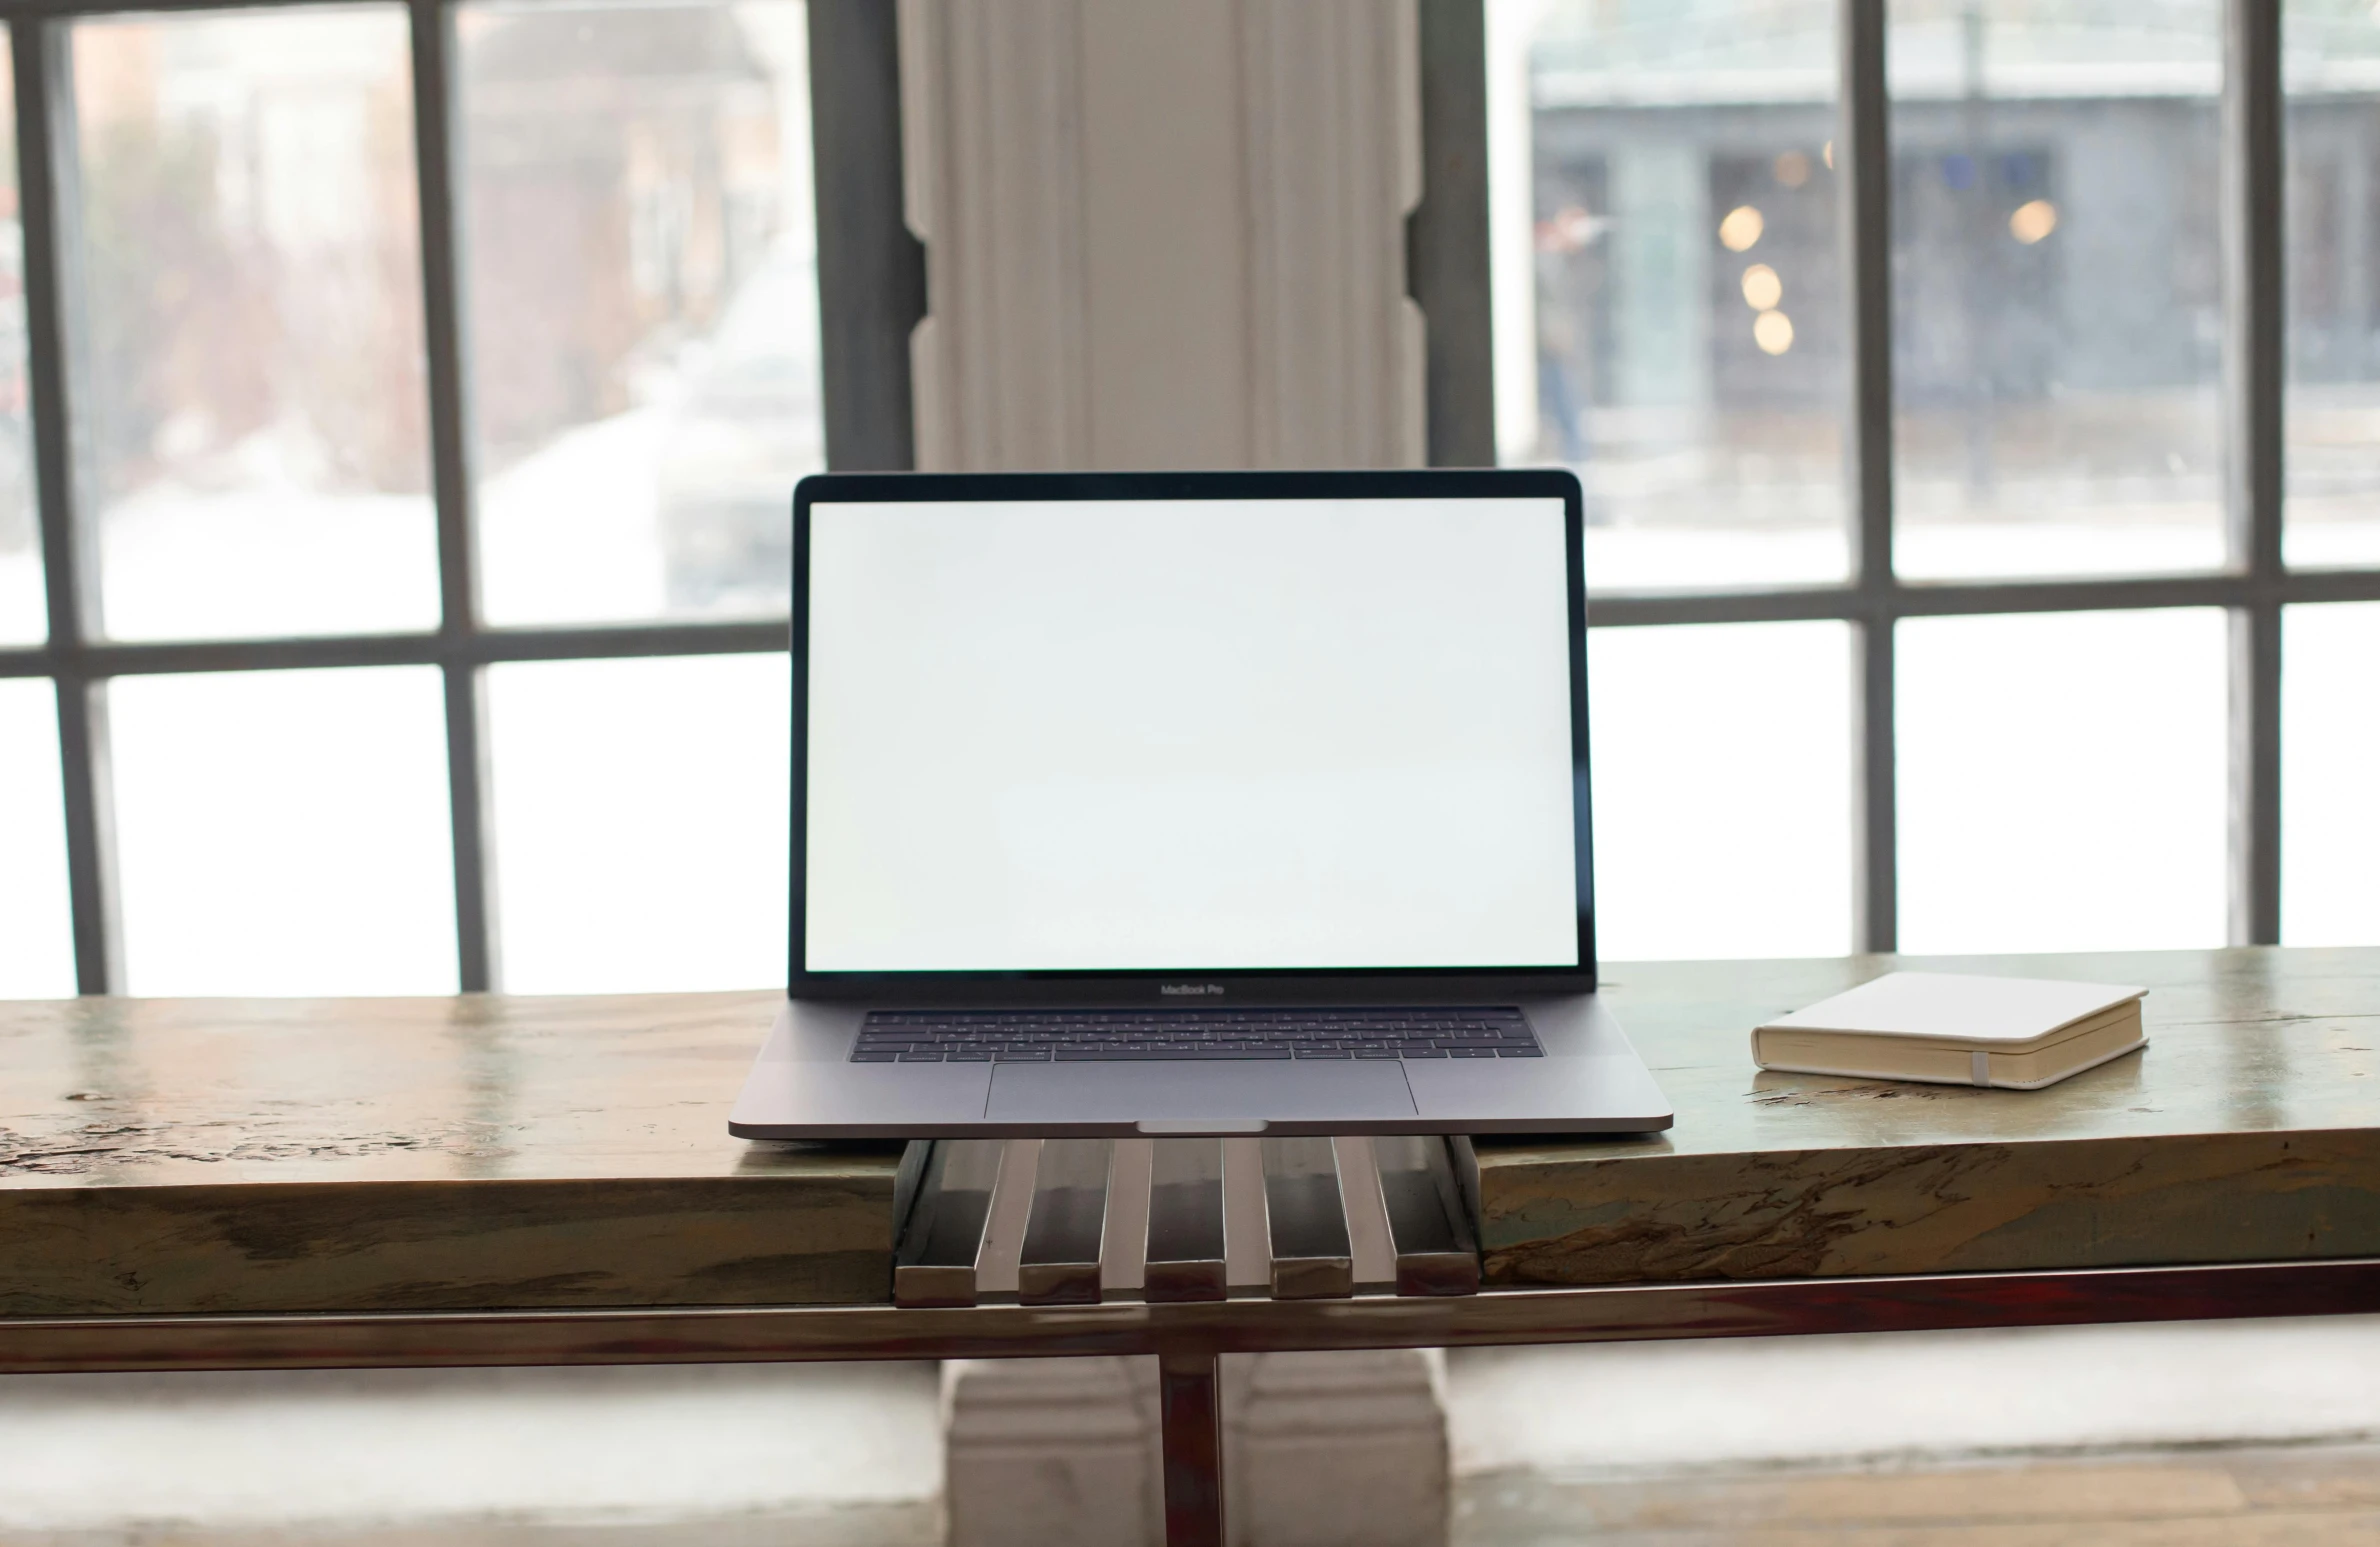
column 1130, row 1092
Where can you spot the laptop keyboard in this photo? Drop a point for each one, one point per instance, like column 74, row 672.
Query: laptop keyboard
column 1064, row 1036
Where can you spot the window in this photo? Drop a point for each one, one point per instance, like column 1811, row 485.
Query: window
column 1917, row 321
column 398, row 405
column 455, row 355
column 1683, row 289
column 247, row 344
column 644, row 306
column 2331, row 67
column 39, row 961
column 2057, row 287
column 22, row 620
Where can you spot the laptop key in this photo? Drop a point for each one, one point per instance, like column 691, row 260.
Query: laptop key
column 1142, row 1036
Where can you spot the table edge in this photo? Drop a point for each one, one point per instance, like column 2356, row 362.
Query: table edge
column 1616, row 1313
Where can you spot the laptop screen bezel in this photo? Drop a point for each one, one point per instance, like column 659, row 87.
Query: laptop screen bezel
column 1071, row 986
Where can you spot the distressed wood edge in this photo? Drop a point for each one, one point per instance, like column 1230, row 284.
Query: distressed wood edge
column 1539, row 1166
column 740, row 1185
column 55, row 1238
column 1771, row 1308
column 2111, row 1163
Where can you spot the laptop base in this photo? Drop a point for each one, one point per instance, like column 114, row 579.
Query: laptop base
column 804, row 1085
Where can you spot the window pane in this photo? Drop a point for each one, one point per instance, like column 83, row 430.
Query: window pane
column 38, row 959
column 640, row 822
column 285, row 832
column 2062, row 781
column 2330, row 748
column 1722, row 790
column 24, row 611
column 644, row 305
column 252, row 382
column 2333, row 462
column 2057, row 313
column 1668, row 290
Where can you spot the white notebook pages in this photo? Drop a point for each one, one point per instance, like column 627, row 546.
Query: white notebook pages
column 1956, row 1028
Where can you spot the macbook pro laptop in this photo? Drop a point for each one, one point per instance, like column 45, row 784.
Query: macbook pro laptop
column 1213, row 803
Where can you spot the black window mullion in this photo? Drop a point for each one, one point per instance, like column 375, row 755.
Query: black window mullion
column 46, row 185
column 434, row 146
column 1446, row 237
column 871, row 267
column 1864, row 167
column 2253, row 370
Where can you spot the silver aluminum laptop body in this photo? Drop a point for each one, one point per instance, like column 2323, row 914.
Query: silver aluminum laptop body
column 1173, row 756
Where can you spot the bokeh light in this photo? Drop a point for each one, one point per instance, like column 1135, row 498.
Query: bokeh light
column 2029, row 223
column 1741, row 228
column 1762, row 288
column 1773, row 332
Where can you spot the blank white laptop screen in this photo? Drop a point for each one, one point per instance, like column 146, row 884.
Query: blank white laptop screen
column 1131, row 735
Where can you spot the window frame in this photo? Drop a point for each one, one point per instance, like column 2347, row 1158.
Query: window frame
column 2253, row 587
column 871, row 279
column 872, row 293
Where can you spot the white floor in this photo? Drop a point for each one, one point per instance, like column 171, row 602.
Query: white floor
column 398, row 1447
column 377, row 1450
column 1665, row 1407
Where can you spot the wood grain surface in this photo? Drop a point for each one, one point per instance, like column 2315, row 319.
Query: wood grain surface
column 208, row 1156
column 188, row 1156
column 2248, row 1130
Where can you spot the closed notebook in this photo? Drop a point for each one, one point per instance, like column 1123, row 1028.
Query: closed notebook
column 1953, row 1029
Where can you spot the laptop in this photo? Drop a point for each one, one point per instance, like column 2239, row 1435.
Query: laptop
column 1191, row 803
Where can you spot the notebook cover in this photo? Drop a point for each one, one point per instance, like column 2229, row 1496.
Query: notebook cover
column 1989, row 1012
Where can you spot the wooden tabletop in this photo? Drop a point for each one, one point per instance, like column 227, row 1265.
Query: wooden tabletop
column 2248, row 1130
column 195, row 1156
column 191, row 1155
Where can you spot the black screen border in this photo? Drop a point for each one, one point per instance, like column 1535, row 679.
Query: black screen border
column 1099, row 986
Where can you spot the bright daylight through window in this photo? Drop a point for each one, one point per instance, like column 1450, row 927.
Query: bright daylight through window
column 414, row 388
column 250, row 350
column 1671, row 282
column 644, row 306
column 22, row 611
column 2331, row 69
column 1674, row 275
column 251, row 363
